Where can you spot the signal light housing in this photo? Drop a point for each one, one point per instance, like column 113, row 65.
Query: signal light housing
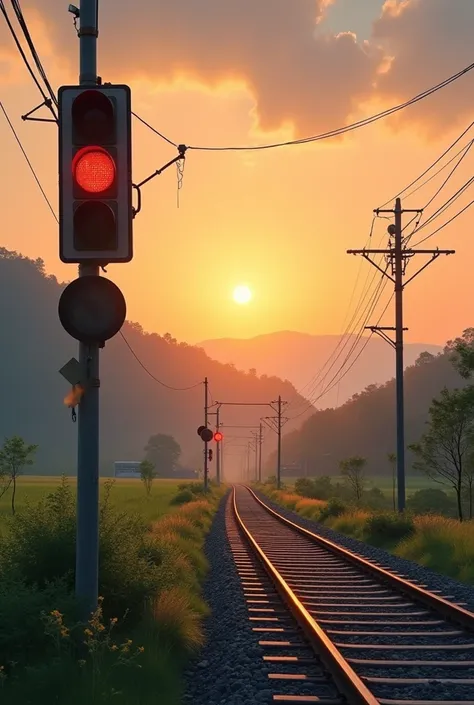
column 209, row 454
column 95, row 179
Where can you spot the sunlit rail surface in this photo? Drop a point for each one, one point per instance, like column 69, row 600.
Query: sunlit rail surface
column 335, row 627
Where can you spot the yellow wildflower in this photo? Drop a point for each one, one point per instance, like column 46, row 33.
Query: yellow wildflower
column 88, row 632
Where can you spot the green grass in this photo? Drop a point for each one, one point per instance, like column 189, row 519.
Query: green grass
column 152, row 566
column 128, row 495
column 413, row 484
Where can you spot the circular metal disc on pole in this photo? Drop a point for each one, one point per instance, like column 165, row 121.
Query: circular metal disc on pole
column 206, row 435
column 200, row 430
column 92, row 309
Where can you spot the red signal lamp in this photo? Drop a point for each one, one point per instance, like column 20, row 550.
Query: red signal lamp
column 218, row 436
column 93, row 169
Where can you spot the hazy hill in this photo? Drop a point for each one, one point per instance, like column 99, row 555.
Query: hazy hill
column 298, row 356
column 365, row 425
column 133, row 406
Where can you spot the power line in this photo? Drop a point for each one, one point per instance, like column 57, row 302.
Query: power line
column 34, row 53
column 447, row 204
column 29, row 163
column 446, row 151
column 25, row 60
column 448, row 222
column 150, row 374
column 331, row 133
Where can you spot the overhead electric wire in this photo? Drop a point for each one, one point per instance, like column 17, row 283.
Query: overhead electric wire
column 29, row 162
column 150, row 374
column 34, row 53
column 371, row 307
column 426, row 171
column 447, row 204
column 24, row 57
column 330, row 133
column 448, row 222
column 337, row 381
column 345, row 337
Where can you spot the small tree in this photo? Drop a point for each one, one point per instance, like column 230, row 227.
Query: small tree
column 353, row 470
column 163, row 452
column 15, row 454
column 147, row 474
column 392, row 459
column 443, row 451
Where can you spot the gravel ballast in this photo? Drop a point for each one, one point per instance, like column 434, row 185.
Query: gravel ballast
column 460, row 592
column 229, row 670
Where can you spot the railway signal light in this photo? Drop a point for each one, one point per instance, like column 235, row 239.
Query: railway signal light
column 218, row 436
column 95, row 174
column 209, row 452
column 205, row 433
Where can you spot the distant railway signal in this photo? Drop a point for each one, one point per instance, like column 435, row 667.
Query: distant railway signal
column 218, row 436
column 205, row 433
column 95, row 179
column 210, row 454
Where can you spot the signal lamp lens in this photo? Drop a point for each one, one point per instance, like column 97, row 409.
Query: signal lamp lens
column 94, row 227
column 94, row 170
column 218, row 436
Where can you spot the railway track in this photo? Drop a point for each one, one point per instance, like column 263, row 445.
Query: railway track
column 335, row 628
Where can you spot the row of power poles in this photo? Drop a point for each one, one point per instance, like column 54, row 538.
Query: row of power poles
column 397, row 255
column 275, row 423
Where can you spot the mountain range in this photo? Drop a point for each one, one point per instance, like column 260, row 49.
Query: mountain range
column 298, row 357
column 137, row 374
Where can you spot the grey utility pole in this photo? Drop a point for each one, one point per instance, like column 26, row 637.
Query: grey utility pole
column 218, row 449
column 260, row 442
column 206, row 412
column 397, row 255
column 87, row 531
column 279, row 444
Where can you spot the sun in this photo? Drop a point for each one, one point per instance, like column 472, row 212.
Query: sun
column 242, row 294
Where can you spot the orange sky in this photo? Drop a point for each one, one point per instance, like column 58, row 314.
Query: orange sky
column 280, row 220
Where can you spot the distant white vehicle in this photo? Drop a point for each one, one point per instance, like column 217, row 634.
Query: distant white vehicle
column 127, row 468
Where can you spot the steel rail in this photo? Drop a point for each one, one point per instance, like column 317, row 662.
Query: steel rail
column 346, row 679
column 448, row 609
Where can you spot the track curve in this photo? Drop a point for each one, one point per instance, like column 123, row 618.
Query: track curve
column 381, row 638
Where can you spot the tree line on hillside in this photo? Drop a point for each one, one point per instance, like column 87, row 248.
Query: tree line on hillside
column 133, row 404
column 444, row 449
column 366, row 424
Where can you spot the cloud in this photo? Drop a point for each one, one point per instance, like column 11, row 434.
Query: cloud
column 295, row 72
column 427, row 41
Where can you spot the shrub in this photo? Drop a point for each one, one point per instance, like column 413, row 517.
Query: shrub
column 376, row 499
column 334, row 508
column 352, row 523
column 388, row 528
column 431, row 500
column 444, row 545
column 304, row 487
column 176, row 621
column 183, row 497
column 178, row 524
column 22, row 636
column 310, row 508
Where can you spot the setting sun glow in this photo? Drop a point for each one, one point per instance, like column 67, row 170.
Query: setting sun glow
column 242, row 294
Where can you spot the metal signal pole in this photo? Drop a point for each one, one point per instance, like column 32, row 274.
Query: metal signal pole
column 397, row 256
column 87, row 530
column 260, row 442
column 206, row 411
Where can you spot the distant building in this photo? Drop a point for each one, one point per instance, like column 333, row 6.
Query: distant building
column 127, row 468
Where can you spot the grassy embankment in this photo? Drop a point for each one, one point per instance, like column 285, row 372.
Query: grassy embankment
column 134, row 648
column 442, row 544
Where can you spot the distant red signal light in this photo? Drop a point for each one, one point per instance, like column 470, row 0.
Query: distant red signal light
column 94, row 169
column 218, row 436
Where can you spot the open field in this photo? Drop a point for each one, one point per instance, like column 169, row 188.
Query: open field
column 128, row 495
column 384, row 483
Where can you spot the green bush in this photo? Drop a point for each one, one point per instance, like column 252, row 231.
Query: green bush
column 40, row 548
column 183, row 497
column 334, row 508
column 304, row 487
column 431, row 501
column 22, row 635
column 376, row 499
column 388, row 528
